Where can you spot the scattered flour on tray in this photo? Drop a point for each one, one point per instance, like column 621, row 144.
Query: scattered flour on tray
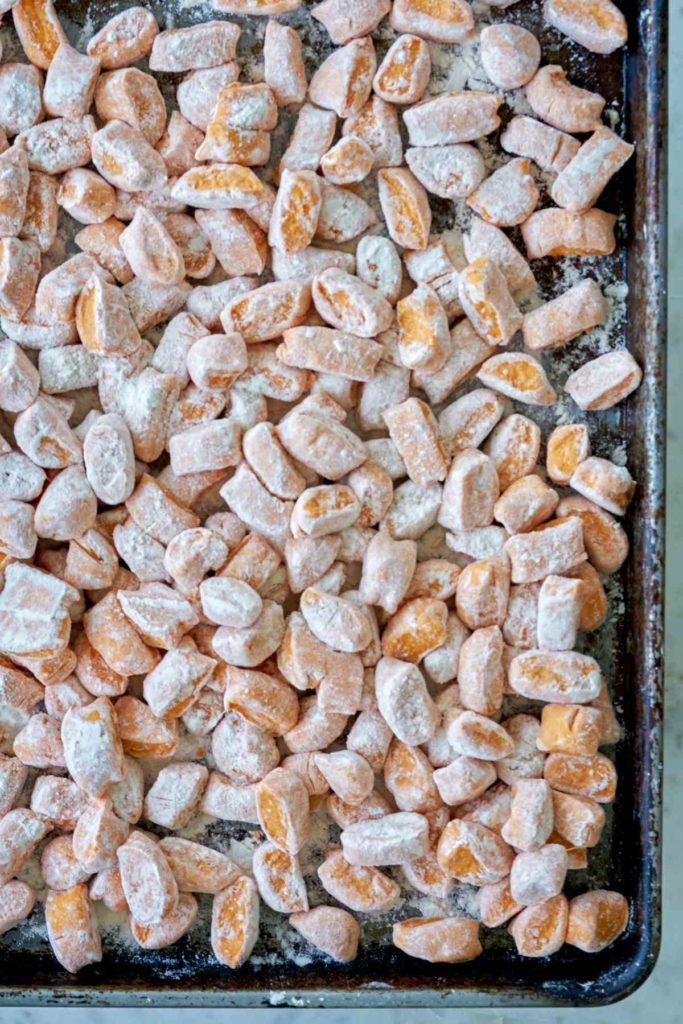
column 455, row 68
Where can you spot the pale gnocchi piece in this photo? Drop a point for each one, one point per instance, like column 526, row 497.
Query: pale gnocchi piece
column 510, row 54
column 601, row 28
column 330, row 929
column 404, row 701
column 558, row 232
column 415, row 432
column 580, row 183
column 551, row 149
column 565, row 106
column 358, row 20
column 610, row 486
column 508, row 196
column 344, row 80
column 284, row 69
column 604, row 381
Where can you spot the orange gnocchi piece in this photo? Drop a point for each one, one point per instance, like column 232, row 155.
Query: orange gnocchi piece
column 86, row 196
column 482, row 593
column 594, row 605
column 348, row 774
column 16, row 903
column 391, row 839
column 235, row 922
column 132, row 96
column 72, row 928
column 199, row 46
column 487, row 302
column 170, row 929
column 312, row 137
column 496, row 905
column 175, row 794
column 541, row 928
column 18, row 276
column 125, row 158
column 596, row 919
column 343, row 214
column 404, row 74
column 363, row 889
column 349, row 161
column 93, row 727
column 20, row 832
column 124, row 39
column 405, row 207
column 377, row 124
column 404, row 701
column 579, row 309
column 348, row 304
column 551, row 149
column 473, row 853
column 97, row 836
column 282, row 804
column 578, row 820
column 424, row 339
column 416, row 629
column 568, row 446
column 570, row 730
column 486, row 239
column 142, row 733
column 268, row 311
column 105, row 325
column 525, row 504
column 151, row 251
column 508, row 196
column 101, row 241
column 518, row 376
column 467, row 421
column 235, row 145
column 39, row 29
column 439, row 940
column 593, row 776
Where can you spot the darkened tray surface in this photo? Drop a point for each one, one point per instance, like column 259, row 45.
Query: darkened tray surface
column 629, row 858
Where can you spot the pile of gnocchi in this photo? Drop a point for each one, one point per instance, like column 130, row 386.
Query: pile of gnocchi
column 279, row 533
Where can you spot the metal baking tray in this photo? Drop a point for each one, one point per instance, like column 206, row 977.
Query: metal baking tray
column 629, row 646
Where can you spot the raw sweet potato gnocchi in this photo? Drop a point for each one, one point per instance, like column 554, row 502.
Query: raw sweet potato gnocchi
column 280, row 538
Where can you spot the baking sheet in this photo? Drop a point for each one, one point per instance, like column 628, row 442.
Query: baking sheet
column 283, row 971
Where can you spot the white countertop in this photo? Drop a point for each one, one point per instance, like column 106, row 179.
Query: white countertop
column 660, row 1000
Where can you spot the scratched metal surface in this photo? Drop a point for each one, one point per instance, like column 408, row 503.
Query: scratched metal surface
column 282, row 972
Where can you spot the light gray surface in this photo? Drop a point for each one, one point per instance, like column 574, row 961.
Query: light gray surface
column 660, row 1000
